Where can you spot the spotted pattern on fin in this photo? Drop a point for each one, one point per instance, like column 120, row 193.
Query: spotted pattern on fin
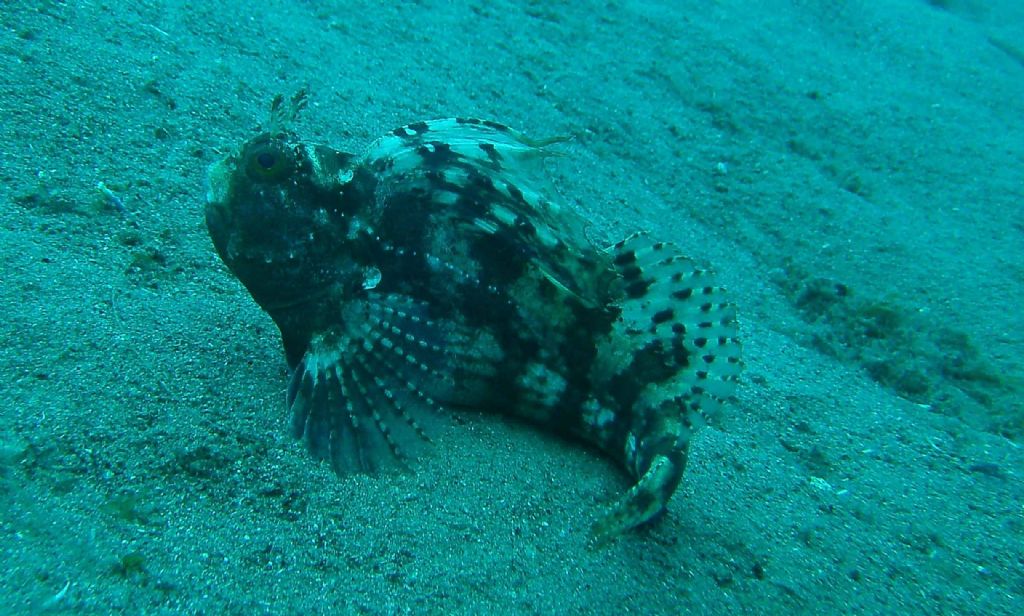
column 675, row 357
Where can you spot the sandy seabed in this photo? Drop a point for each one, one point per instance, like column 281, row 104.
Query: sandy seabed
column 854, row 171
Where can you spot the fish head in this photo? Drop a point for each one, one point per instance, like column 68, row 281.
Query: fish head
column 280, row 212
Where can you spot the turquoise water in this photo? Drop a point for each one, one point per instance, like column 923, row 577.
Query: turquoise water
column 853, row 173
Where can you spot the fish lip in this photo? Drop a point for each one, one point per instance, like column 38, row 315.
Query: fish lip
column 218, row 183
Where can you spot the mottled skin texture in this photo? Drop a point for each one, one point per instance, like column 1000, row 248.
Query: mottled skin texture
column 426, row 274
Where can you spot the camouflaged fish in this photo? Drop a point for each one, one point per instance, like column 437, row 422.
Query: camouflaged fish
column 428, row 274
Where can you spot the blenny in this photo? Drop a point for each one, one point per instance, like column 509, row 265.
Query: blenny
column 429, row 274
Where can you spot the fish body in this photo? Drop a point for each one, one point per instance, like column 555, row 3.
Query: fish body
column 429, row 274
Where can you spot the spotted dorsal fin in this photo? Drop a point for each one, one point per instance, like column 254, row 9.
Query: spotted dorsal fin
column 483, row 182
column 675, row 347
column 485, row 143
column 672, row 304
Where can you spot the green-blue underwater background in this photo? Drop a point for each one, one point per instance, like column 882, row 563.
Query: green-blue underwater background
column 853, row 170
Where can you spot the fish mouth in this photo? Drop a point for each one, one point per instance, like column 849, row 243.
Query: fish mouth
column 218, row 183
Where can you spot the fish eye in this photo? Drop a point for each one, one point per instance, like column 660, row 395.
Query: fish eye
column 267, row 159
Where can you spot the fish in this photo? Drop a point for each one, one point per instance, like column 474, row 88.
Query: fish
column 432, row 273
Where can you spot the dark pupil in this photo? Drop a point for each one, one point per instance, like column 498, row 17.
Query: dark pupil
column 266, row 160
